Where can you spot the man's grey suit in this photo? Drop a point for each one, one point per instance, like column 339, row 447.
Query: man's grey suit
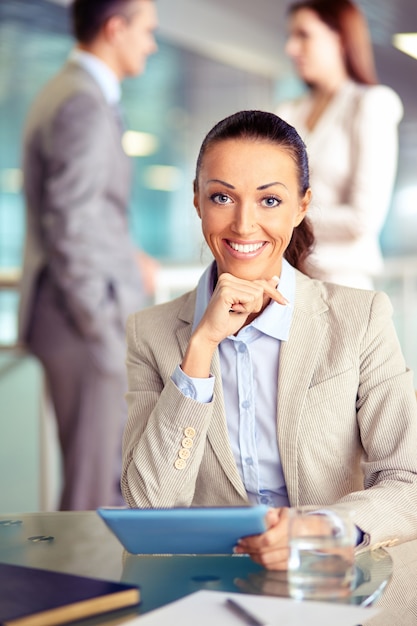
column 80, row 279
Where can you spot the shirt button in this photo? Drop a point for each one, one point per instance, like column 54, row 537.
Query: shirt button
column 265, row 500
column 187, row 442
column 249, row 460
column 188, row 389
column 184, row 453
column 189, row 432
column 242, row 347
column 180, row 464
column 245, row 404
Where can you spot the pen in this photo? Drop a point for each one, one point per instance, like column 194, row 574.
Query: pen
column 244, row 613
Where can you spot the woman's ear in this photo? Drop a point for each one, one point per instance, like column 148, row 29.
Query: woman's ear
column 195, row 200
column 303, row 207
column 197, row 207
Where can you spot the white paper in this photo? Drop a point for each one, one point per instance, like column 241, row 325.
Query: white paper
column 208, row 608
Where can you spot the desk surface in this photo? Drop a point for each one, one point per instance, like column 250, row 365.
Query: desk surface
column 80, row 543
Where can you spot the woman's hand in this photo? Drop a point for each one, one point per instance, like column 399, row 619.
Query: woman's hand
column 269, row 549
column 233, row 303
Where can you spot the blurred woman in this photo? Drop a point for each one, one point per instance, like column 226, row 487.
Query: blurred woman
column 350, row 126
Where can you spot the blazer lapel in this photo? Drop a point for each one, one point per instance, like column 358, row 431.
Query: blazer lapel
column 298, row 358
column 218, row 435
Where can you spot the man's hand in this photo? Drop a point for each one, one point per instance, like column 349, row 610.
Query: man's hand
column 148, row 267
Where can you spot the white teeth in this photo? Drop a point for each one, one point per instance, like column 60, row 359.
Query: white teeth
column 246, row 247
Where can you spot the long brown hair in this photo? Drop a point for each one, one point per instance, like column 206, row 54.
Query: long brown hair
column 345, row 18
column 265, row 126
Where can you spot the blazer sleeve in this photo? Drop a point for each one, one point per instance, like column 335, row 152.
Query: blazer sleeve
column 376, row 114
column 386, row 509
column 160, row 419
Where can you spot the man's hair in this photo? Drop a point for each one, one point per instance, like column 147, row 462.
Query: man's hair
column 89, row 16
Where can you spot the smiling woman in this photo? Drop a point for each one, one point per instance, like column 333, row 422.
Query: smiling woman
column 266, row 198
column 230, row 384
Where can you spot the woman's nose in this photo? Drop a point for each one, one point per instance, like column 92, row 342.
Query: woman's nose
column 245, row 221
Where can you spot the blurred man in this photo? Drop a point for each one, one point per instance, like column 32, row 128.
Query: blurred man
column 82, row 275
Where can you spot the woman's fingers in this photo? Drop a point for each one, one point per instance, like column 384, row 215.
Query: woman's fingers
column 275, row 560
column 270, row 288
column 248, row 296
column 234, row 301
column 270, row 548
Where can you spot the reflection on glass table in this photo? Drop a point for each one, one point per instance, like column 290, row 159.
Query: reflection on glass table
column 373, row 571
column 181, row 575
column 80, row 543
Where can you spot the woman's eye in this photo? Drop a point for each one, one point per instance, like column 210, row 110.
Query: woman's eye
column 220, row 198
column 271, row 202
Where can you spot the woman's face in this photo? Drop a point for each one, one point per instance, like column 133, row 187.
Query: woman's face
column 314, row 48
column 248, row 201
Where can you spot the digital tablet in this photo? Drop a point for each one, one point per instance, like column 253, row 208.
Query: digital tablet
column 206, row 530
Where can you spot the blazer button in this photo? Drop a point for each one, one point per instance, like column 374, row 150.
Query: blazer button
column 189, row 432
column 184, row 453
column 180, row 464
column 187, row 442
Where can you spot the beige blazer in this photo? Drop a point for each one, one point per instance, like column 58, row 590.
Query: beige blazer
column 346, row 414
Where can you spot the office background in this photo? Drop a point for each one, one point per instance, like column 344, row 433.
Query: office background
column 214, row 58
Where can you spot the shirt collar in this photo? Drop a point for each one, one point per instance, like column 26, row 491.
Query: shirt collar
column 102, row 74
column 274, row 321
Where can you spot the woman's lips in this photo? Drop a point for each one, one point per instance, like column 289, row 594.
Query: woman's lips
column 250, row 247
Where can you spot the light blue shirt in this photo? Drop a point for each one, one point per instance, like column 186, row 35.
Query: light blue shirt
column 102, row 74
column 249, row 365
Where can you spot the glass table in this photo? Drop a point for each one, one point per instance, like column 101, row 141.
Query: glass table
column 80, row 543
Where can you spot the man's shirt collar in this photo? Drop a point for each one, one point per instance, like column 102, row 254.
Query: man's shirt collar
column 102, row 74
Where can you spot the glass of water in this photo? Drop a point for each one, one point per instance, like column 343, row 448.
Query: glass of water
column 321, row 564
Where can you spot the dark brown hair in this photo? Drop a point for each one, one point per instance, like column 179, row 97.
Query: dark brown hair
column 89, row 16
column 265, row 126
column 345, row 18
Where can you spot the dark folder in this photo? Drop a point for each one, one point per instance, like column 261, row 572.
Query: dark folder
column 36, row 597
